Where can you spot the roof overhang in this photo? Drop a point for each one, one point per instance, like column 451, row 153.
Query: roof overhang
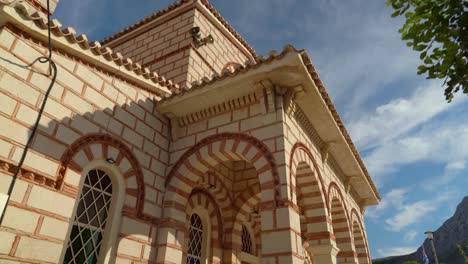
column 287, row 70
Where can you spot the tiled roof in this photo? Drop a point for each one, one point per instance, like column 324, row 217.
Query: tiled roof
column 172, row 7
column 273, row 56
column 69, row 34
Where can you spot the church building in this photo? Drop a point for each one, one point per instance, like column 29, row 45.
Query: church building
column 171, row 141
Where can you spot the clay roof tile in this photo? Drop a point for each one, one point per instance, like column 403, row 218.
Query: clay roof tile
column 82, row 40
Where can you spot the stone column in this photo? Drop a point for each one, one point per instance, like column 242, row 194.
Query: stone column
column 280, row 235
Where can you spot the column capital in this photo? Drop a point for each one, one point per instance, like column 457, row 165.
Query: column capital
column 324, row 254
column 329, row 249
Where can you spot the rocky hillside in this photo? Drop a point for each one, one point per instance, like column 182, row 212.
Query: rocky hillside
column 454, row 231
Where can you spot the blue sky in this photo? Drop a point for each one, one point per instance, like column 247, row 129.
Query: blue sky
column 414, row 144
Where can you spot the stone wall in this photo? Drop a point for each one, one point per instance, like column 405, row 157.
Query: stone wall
column 85, row 102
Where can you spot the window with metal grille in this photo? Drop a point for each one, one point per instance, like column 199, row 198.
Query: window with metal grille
column 194, row 253
column 89, row 224
column 246, row 241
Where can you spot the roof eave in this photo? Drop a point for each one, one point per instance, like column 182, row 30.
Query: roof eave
column 294, row 61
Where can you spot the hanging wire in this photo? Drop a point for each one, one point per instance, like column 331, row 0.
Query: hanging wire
column 53, row 72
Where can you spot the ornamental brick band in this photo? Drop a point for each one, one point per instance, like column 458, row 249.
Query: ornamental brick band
column 102, row 146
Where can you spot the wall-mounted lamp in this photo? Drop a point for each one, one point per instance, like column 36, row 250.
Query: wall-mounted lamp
column 110, row 160
column 211, row 186
column 198, row 40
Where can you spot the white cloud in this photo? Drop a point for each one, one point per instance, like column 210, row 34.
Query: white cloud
column 399, row 116
column 396, row 251
column 439, row 143
column 410, row 235
column 456, row 165
column 409, row 214
column 391, row 199
column 399, row 213
column 452, row 170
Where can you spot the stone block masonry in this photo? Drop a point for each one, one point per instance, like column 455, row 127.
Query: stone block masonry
column 168, row 48
column 85, row 101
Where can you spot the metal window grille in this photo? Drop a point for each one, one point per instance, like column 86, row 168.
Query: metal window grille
column 90, row 220
column 195, row 240
column 246, row 241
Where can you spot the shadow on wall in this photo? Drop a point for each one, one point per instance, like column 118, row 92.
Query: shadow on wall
column 80, row 125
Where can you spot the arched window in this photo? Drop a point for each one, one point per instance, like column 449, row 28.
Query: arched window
column 247, row 246
column 195, row 244
column 89, row 224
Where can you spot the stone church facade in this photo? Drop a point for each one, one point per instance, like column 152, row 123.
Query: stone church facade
column 161, row 144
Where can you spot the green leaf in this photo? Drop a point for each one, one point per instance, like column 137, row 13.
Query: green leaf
column 420, row 47
column 428, row 60
column 395, row 14
column 423, row 55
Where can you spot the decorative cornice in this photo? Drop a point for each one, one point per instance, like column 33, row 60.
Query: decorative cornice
column 304, row 122
column 220, row 108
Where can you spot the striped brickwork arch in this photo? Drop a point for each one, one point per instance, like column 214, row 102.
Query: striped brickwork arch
column 341, row 226
column 308, row 193
column 214, row 150
column 220, row 191
column 360, row 240
column 203, row 199
column 247, row 212
column 223, row 197
column 101, row 146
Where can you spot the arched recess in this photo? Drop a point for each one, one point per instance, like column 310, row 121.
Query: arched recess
column 103, row 147
column 247, row 212
column 203, row 203
column 308, row 193
column 341, row 225
column 220, row 192
column 214, row 150
column 360, row 240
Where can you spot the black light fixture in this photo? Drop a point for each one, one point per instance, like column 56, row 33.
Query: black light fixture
column 211, row 186
column 198, row 40
column 110, row 160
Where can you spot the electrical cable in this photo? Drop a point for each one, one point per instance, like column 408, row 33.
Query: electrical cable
column 53, row 72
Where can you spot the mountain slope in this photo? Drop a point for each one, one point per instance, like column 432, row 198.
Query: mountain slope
column 454, row 231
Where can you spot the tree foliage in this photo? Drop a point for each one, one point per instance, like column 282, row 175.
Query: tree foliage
column 463, row 253
column 438, row 30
